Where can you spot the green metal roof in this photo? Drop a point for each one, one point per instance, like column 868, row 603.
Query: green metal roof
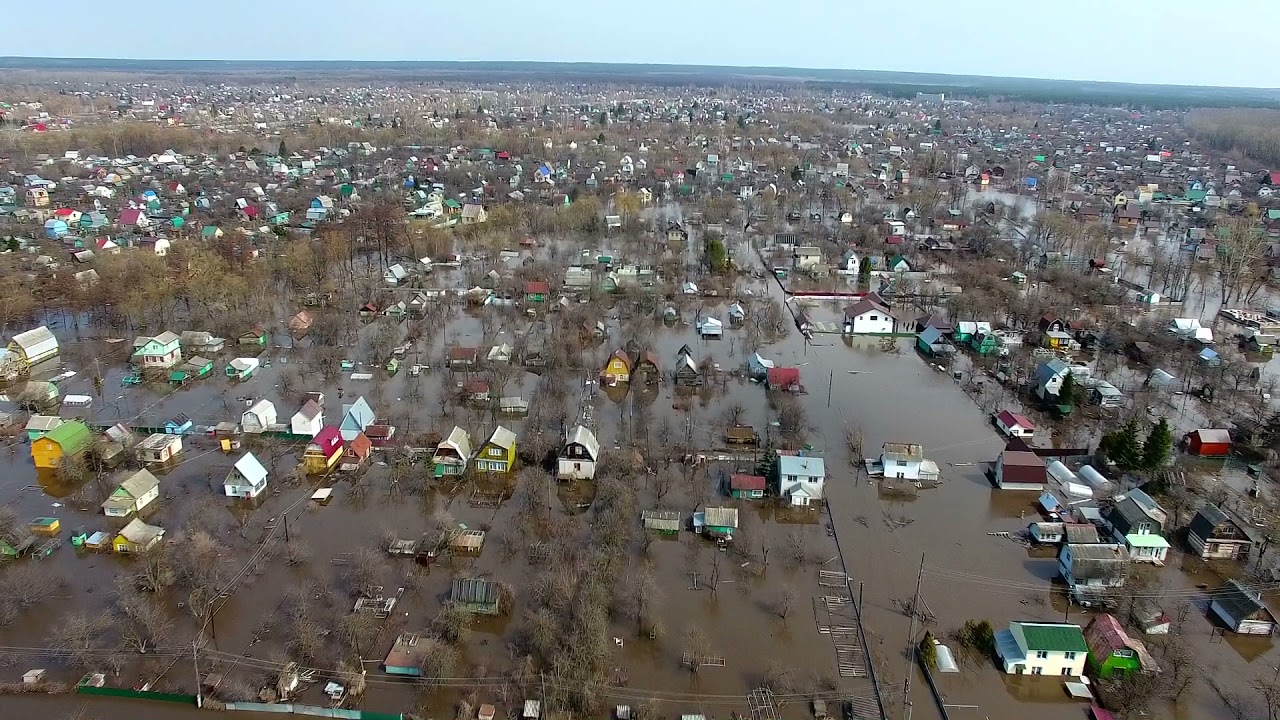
column 1054, row 638
column 71, row 436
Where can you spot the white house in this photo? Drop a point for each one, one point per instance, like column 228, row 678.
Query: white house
column 395, row 274
column 806, row 257
column 1092, row 570
column 801, row 479
column 158, row 448
column 1136, row 520
column 136, row 492
column 578, row 457
column 906, row 461
column 308, row 420
column 247, row 479
column 258, row 417
column 1015, row 424
column 1033, row 648
column 869, row 316
column 710, row 327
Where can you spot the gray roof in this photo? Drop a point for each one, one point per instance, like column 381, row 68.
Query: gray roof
column 1049, row 369
column 141, row 533
column 502, row 437
column 1239, row 603
column 140, row 483
column 1080, row 533
column 1097, row 560
column 474, row 591
column 661, row 519
column 721, row 517
column 580, row 435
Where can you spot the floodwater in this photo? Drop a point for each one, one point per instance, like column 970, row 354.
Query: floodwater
column 888, row 395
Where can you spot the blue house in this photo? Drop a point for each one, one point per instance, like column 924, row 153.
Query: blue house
column 355, row 418
column 55, row 228
column 178, row 425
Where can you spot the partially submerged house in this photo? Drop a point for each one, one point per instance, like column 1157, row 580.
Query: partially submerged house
column 247, row 479
column 870, row 316
column 452, row 453
column 578, row 457
column 1020, row 470
column 498, row 453
column 323, row 452
column 476, row 595
column 1137, row 521
column 308, row 420
column 1242, row 610
column 132, row 495
column 356, row 418
column 801, row 479
column 137, row 537
column 1093, row 571
column 259, row 417
column 1035, row 648
column 66, row 440
column 617, row 369
column 666, row 522
column 716, row 522
column 1216, row 535
column 1113, row 651
column 34, row 346
column 158, row 448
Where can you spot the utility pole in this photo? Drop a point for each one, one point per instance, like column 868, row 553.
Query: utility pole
column 285, row 517
column 195, row 664
column 831, row 378
column 911, row 643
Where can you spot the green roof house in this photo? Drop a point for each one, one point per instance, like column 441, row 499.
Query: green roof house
column 1033, row 648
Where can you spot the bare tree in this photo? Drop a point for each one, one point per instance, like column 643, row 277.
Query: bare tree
column 784, row 601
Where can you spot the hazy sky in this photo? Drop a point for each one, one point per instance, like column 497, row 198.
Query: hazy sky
column 1170, row 41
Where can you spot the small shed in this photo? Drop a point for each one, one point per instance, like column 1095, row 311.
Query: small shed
column 1242, row 610
column 1207, row 442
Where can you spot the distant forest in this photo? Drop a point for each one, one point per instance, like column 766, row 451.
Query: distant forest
column 1252, row 132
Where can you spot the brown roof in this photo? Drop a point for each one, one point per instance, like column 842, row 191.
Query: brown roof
column 1022, row 467
column 746, row 482
column 360, row 445
column 463, row 353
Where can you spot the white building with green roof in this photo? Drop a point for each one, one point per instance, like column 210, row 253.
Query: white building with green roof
column 1032, row 648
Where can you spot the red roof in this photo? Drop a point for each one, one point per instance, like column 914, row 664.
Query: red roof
column 895, row 239
column 746, row 482
column 360, row 446
column 1275, row 178
column 536, row 287
column 130, row 217
column 783, row 377
column 63, row 212
column 1010, row 419
column 327, row 440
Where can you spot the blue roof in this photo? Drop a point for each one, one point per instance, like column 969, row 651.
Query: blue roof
column 930, row 335
column 801, row 465
column 1048, row 369
column 355, row 418
column 1208, row 354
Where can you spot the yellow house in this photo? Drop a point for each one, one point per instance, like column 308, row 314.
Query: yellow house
column 137, row 537
column 324, row 451
column 69, row 438
column 617, row 369
column 498, row 454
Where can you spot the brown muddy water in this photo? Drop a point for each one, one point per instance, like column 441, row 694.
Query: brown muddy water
column 894, row 396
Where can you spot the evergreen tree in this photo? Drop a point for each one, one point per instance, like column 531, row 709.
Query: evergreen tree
column 1124, row 446
column 1068, row 391
column 1158, row 445
column 283, row 151
column 864, row 270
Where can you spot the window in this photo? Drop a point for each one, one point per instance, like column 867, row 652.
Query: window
column 874, row 318
column 1126, row 653
column 901, row 463
column 1037, row 671
column 495, row 452
column 1067, row 672
column 1042, row 655
column 1071, row 656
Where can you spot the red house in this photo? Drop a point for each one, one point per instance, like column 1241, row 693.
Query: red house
column 783, row 379
column 1207, row 442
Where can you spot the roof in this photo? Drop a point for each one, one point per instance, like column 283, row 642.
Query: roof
column 782, row 377
column 721, row 517
column 502, row 438
column 1010, row 419
column 746, row 482
column 71, row 436
column 310, row 410
column 474, row 591
column 1020, row 466
column 140, row 483
column 1049, row 369
column 580, row 435
column 909, row 452
column 360, row 445
column 660, row 519
column 140, row 533
column 250, row 469
column 802, row 465
column 1239, row 603
column 327, row 440
column 1052, row 637
column 355, row 418
column 43, row 423
column 36, row 341
column 158, row 441
column 459, row 441
column 869, row 302
column 1097, row 560
column 1080, row 533
column 1208, row 435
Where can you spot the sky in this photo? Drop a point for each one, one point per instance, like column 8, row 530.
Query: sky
column 1181, row 42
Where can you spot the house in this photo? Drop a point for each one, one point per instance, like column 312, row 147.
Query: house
column 256, row 335
column 906, row 461
column 356, row 418
column 785, row 379
column 34, row 346
column 202, row 342
column 247, row 478
column 133, row 218
column 710, row 327
column 1207, row 442
column 1213, row 535
column 323, row 452
column 806, row 257
column 259, row 417
column 1092, row 570
column 687, row 373
column 1112, row 651
column 869, row 316
column 666, row 522
column 932, row 342
column 308, row 420
column 476, row 595
column 716, row 522
column 644, row 368
column 16, row 541
column 577, row 459
column 133, row 495
column 1048, row 378
column 162, row 351
column 464, row 358
column 617, row 369
column 1137, row 521
column 300, row 323
column 137, row 537
column 407, row 654
column 1015, row 424
column 158, row 448
column 1020, row 470
column 67, row 440
column 395, row 274
column 536, row 291
column 39, row 425
column 746, row 487
column 241, row 369
column 473, row 214
column 498, row 453
column 1242, row 609
column 452, row 453
column 1035, row 648
column 801, row 479
column 356, row 451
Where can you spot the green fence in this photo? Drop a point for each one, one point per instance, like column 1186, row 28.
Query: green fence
column 289, row 708
column 138, row 694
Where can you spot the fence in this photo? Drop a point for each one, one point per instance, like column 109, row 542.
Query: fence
column 138, row 694
column 312, row 710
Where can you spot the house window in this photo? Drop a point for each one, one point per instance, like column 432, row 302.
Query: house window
column 577, row 466
column 874, row 318
column 1042, row 655
column 1037, row 671
column 901, row 463
column 1067, row 671
column 1126, row 653
column 1071, row 656
column 495, row 452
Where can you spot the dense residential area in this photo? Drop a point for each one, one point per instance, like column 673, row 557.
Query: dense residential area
column 493, row 399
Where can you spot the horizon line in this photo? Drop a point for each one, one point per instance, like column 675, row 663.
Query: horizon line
column 331, row 61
